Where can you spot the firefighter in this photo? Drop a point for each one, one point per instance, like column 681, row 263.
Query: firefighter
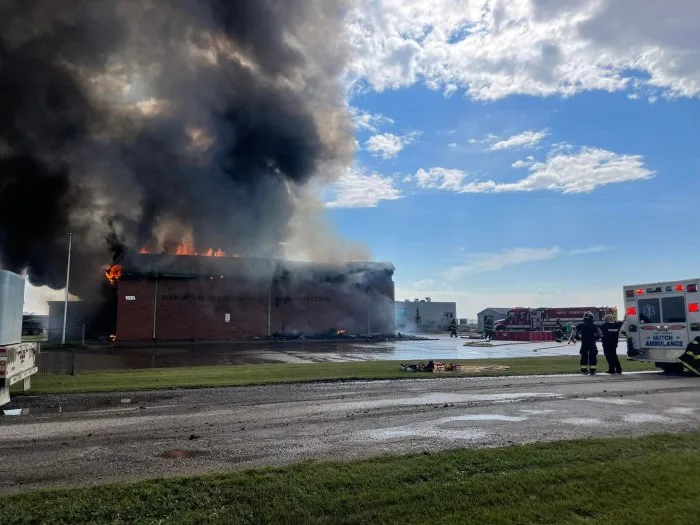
column 488, row 327
column 453, row 328
column 691, row 357
column 558, row 331
column 611, row 336
column 588, row 333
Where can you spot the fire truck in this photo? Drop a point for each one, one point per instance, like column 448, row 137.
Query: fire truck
column 662, row 318
column 17, row 359
column 538, row 319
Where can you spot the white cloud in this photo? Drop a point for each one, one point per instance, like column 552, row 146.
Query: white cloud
column 452, row 145
column 441, row 179
column 476, row 263
column 495, row 48
column 357, row 189
column 388, row 145
column 427, row 285
column 489, row 262
column 563, row 171
column 529, row 161
column 366, row 121
column 590, row 249
column 526, row 139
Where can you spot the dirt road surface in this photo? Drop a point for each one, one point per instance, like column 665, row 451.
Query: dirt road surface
column 97, row 438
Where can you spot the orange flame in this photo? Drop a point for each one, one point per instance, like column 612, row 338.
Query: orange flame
column 188, row 249
column 113, row 273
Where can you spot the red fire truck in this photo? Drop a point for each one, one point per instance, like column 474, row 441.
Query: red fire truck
column 536, row 319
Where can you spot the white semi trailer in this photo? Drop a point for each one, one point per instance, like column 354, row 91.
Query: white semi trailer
column 17, row 359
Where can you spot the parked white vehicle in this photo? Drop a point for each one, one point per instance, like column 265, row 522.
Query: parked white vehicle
column 17, row 359
column 662, row 318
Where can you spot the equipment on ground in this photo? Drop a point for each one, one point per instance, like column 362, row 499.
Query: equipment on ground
column 662, row 319
column 551, row 319
column 17, row 359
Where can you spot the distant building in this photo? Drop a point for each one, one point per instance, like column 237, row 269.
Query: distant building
column 496, row 313
column 424, row 315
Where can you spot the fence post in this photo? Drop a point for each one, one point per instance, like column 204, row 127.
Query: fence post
column 83, row 336
column 72, row 362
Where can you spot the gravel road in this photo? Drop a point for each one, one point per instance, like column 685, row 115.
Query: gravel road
column 98, row 438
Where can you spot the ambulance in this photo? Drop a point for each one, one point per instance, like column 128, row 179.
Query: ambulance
column 662, row 318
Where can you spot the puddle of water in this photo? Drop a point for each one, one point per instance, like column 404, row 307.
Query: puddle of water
column 436, row 398
column 583, row 421
column 681, row 411
column 613, row 400
column 179, row 453
column 446, row 428
column 536, row 412
column 484, row 417
column 15, row 412
column 424, row 431
column 645, row 418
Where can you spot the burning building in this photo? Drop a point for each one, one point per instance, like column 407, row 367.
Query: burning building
column 175, row 297
column 214, row 126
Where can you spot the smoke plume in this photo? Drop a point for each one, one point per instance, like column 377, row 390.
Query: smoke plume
column 142, row 123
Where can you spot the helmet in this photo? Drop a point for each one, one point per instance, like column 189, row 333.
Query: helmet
column 588, row 316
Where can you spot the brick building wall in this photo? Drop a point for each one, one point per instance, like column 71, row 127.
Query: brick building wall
column 222, row 308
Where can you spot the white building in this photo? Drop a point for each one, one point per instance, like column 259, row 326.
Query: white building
column 496, row 315
column 424, row 315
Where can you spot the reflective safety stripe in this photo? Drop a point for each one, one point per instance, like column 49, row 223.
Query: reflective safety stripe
column 690, row 367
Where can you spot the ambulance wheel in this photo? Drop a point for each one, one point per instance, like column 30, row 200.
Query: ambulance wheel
column 670, row 368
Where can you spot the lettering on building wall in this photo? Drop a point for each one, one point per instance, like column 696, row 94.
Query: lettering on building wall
column 287, row 300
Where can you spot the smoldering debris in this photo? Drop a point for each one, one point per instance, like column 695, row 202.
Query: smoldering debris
column 136, row 124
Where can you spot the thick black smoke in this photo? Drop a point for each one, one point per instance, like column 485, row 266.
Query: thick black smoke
column 132, row 123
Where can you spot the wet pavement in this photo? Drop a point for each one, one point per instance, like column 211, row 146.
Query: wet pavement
column 173, row 355
column 128, row 436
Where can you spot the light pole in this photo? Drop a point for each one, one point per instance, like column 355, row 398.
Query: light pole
column 65, row 303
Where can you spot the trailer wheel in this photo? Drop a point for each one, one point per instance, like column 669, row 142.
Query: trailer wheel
column 670, row 368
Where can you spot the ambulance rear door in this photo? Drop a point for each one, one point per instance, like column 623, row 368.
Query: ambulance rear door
column 660, row 317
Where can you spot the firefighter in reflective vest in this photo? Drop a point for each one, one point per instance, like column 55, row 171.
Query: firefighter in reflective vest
column 588, row 333
column 691, row 357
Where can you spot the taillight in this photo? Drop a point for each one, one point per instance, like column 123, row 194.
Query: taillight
column 692, row 288
column 640, row 292
column 679, row 287
column 631, row 311
column 629, row 293
column 694, row 308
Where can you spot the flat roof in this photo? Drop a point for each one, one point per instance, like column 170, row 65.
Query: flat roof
column 138, row 264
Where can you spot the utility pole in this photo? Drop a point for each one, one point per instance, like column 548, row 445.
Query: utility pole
column 369, row 330
column 269, row 309
column 65, row 303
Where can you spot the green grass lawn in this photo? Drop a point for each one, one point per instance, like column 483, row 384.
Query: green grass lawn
column 650, row 480
column 232, row 375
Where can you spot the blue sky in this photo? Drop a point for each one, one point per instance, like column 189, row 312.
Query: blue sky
column 498, row 186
